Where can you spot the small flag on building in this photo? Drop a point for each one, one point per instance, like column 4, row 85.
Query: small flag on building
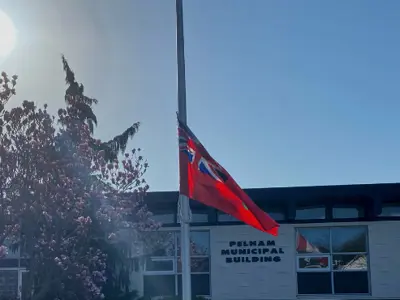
column 204, row 180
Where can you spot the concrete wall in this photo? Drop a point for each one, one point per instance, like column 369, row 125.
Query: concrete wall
column 261, row 280
column 384, row 247
column 277, row 280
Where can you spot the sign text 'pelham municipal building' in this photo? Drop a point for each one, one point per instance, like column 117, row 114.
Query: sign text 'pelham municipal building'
column 252, row 252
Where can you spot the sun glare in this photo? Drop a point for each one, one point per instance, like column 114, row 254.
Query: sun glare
column 8, row 35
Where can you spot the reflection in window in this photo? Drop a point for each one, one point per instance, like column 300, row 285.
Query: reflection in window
column 390, row 210
column 349, row 239
column 199, row 243
column 341, row 269
column 13, row 252
column 162, row 274
column 162, row 243
column 311, row 213
column 313, row 262
column 349, row 262
column 313, row 240
column 197, row 264
column 348, row 212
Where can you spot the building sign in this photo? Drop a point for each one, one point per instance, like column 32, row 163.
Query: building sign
column 252, row 252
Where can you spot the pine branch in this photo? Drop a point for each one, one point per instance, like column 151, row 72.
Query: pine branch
column 118, row 144
column 85, row 111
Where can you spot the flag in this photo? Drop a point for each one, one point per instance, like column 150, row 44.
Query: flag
column 204, row 180
column 303, row 245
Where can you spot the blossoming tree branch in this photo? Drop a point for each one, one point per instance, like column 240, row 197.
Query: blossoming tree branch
column 65, row 196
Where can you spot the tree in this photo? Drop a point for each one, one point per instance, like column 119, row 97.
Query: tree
column 118, row 267
column 85, row 113
column 60, row 193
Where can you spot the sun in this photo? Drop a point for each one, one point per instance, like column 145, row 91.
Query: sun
column 8, row 35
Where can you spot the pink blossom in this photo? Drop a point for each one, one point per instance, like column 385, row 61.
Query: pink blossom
column 57, row 192
column 3, row 251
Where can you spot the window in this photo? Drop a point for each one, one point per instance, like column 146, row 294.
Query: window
column 197, row 217
column 11, row 279
column 274, row 214
column 310, row 213
column 11, row 270
column 168, row 218
column 347, row 212
column 12, row 259
column 390, row 210
column 332, row 260
column 222, row 217
column 163, row 268
column 24, row 285
column 277, row 215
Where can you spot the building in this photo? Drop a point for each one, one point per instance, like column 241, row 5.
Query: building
column 339, row 242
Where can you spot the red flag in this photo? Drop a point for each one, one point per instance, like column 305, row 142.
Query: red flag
column 304, row 246
column 204, row 180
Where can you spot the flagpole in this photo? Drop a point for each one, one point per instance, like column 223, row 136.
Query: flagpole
column 184, row 201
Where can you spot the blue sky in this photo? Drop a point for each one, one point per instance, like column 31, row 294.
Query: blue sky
column 282, row 93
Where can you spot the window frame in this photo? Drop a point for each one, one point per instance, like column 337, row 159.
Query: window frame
column 330, row 256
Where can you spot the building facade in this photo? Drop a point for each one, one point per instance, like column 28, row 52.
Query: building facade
column 335, row 242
